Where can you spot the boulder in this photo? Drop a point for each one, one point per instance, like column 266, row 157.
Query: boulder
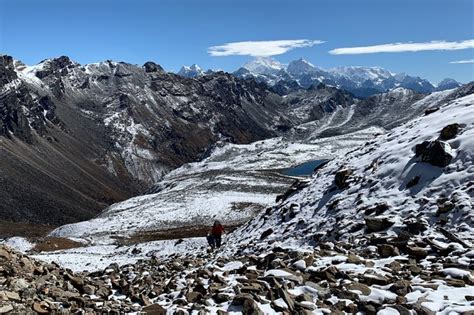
column 150, row 66
column 437, row 153
column 431, row 110
column 341, row 178
column 449, row 132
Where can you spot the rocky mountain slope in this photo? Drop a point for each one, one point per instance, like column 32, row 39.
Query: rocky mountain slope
column 386, row 228
column 75, row 138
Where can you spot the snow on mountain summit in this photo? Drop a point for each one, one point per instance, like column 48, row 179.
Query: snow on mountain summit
column 360, row 74
column 362, row 81
column 191, row 72
column 263, row 65
column 300, row 66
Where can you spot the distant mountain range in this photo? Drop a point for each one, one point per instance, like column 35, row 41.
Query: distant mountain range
column 301, row 74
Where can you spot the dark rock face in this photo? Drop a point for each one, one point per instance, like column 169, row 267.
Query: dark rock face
column 437, row 153
column 7, row 71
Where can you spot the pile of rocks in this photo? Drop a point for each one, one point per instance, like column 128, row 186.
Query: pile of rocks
column 380, row 273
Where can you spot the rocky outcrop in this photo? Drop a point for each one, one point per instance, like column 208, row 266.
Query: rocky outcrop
column 341, row 179
column 449, row 132
column 437, row 153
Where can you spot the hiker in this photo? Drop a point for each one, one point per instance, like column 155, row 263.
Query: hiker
column 215, row 238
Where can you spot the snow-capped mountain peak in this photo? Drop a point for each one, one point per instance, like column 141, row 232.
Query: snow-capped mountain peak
column 448, row 84
column 300, row 66
column 362, row 73
column 263, row 65
column 191, row 72
column 362, row 81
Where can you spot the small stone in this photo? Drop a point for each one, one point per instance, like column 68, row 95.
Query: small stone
column 41, row 307
column 266, row 233
column 387, row 250
column 401, row 287
column 417, row 252
column 455, row 283
column 371, row 279
column 356, row 286
column 413, row 182
column 395, row 266
column 431, row 110
column 193, row 297
column 154, row 309
column 12, row 296
column 401, row 300
column 89, row 289
column 4, row 255
column 353, row 259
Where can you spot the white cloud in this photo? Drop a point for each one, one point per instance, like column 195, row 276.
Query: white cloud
column 404, row 47
column 463, row 61
column 261, row 48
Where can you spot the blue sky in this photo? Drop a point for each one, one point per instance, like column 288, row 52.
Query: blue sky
column 173, row 33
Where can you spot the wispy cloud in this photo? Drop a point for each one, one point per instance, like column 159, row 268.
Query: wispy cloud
column 463, row 61
column 261, row 48
column 404, row 47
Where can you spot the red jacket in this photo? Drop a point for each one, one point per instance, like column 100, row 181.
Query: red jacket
column 217, row 230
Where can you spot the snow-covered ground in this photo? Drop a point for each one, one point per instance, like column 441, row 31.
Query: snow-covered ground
column 231, row 185
column 237, row 181
column 381, row 172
